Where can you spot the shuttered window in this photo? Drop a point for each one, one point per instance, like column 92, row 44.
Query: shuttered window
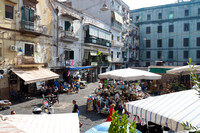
column 9, row 12
column 29, row 50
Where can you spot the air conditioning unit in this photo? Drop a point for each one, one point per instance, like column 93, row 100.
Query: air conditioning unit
column 13, row 48
column 3, row 71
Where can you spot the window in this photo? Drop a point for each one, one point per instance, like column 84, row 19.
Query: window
column 29, row 50
column 27, row 18
column 171, row 28
column 198, row 11
column 148, row 17
column 1, row 54
column 185, row 54
column 137, row 18
column 148, row 30
column 9, row 12
column 198, row 54
column 186, row 42
column 171, row 15
column 170, row 54
column 187, row 12
column 118, row 39
column 67, row 26
column 148, row 54
column 148, row 43
column 69, row 55
column 159, row 54
column 148, row 64
column 118, row 53
column 112, row 55
column 112, row 37
column 159, row 29
column 171, row 42
column 159, row 15
column 159, row 43
column 198, row 41
column 186, row 27
column 198, row 26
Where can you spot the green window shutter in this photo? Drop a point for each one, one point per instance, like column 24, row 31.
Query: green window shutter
column 67, row 25
column 31, row 19
column 31, row 15
column 23, row 14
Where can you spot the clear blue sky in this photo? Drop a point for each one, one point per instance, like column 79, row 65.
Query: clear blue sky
column 135, row 4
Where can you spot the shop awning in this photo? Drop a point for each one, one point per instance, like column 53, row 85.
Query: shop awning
column 35, row 74
column 78, row 68
column 118, row 17
column 93, row 53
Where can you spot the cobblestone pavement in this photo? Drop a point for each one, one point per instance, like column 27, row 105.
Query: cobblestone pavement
column 89, row 119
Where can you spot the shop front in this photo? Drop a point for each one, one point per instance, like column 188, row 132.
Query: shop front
column 29, row 80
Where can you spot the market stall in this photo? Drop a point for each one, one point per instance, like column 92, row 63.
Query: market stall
column 169, row 110
column 54, row 123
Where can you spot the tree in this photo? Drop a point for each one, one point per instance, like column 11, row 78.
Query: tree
column 196, row 82
column 119, row 124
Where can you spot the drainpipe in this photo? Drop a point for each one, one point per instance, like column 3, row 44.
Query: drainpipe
column 57, row 30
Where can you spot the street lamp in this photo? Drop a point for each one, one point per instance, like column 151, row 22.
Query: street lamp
column 104, row 7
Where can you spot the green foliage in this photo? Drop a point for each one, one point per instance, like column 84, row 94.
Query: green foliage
column 188, row 126
column 195, row 81
column 178, row 86
column 194, row 76
column 119, row 124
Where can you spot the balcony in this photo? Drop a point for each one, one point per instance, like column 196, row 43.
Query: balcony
column 28, row 27
column 27, row 61
column 98, row 41
column 68, row 36
column 117, row 44
column 116, row 25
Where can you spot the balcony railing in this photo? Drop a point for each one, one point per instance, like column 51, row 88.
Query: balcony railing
column 31, row 27
column 116, row 25
column 117, row 43
column 98, row 41
column 68, row 36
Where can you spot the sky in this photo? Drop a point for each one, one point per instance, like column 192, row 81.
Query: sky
column 136, row 4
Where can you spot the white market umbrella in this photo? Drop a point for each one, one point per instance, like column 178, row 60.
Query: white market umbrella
column 49, row 123
column 129, row 74
column 169, row 110
column 184, row 70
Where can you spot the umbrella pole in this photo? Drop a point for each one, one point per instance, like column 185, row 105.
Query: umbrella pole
column 190, row 82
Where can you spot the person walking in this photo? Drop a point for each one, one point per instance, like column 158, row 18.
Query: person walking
column 112, row 110
column 76, row 110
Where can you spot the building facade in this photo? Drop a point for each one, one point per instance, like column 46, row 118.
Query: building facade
column 169, row 34
column 117, row 18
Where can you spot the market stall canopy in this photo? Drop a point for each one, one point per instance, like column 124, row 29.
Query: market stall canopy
column 53, row 123
column 129, row 74
column 169, row 110
column 32, row 75
column 184, row 70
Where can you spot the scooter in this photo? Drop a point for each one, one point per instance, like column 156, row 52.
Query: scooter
column 44, row 109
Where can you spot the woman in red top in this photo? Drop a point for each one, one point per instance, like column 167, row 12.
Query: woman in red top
column 112, row 109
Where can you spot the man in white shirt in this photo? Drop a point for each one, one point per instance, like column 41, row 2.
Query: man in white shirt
column 117, row 99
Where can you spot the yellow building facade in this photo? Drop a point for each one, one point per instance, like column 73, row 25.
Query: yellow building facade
column 25, row 40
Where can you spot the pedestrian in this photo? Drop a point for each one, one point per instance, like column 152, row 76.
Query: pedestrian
column 100, row 85
column 117, row 99
column 76, row 110
column 112, row 110
column 12, row 112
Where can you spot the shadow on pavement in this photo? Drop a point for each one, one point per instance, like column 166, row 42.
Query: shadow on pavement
column 92, row 115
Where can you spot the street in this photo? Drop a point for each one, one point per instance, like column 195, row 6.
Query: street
column 89, row 119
